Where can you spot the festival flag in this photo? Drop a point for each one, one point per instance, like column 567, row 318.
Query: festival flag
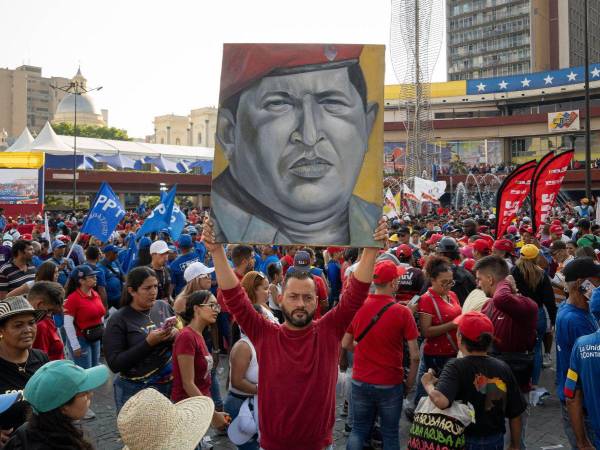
column 541, row 163
column 429, row 191
column 105, row 215
column 46, row 234
column 408, row 194
column 129, row 255
column 178, row 221
column 161, row 216
column 512, row 193
column 547, row 185
column 390, row 208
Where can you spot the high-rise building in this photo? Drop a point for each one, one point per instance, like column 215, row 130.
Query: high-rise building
column 197, row 128
column 566, row 32
column 27, row 100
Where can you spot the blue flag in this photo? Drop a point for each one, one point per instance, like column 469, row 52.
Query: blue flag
column 129, row 255
column 161, row 215
column 105, row 214
column 178, row 221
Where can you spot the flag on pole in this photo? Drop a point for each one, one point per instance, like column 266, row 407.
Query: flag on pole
column 161, row 216
column 105, row 215
column 390, row 208
column 46, row 234
column 408, row 194
column 178, row 221
column 130, row 254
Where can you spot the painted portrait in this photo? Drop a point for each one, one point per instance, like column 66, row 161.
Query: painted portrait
column 299, row 144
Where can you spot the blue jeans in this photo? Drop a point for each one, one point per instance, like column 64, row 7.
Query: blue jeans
column 369, row 400
column 125, row 389
column 589, row 428
column 215, row 390
column 538, row 357
column 90, row 353
column 232, row 407
column 493, row 442
column 427, row 362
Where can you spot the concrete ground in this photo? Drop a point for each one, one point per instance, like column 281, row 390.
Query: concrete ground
column 544, row 430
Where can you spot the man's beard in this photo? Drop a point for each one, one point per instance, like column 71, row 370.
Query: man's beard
column 300, row 323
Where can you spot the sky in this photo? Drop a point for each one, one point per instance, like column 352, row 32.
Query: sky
column 161, row 57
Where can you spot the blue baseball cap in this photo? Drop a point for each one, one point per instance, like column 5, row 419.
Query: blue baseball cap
column 57, row 382
column 192, row 229
column 58, row 244
column 83, row 271
column 111, row 248
column 7, row 400
column 145, row 242
column 185, row 241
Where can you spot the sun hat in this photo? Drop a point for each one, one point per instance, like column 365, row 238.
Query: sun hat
column 245, row 426
column 473, row 324
column 83, row 271
column 386, row 271
column 530, row 251
column 57, row 382
column 149, row 421
column 195, row 270
column 159, row 247
column 14, row 306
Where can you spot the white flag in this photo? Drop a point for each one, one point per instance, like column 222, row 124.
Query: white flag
column 46, row 234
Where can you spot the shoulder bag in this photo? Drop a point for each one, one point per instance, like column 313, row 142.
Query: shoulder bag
column 373, row 321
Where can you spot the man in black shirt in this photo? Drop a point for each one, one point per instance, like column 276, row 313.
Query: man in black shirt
column 19, row 270
column 159, row 251
column 485, row 382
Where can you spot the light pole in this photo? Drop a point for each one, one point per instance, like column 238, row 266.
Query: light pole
column 588, row 133
column 75, row 88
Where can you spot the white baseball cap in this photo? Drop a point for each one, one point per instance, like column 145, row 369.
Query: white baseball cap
column 195, row 270
column 159, row 247
column 245, row 426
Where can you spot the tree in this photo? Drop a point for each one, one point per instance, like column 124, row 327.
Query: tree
column 93, row 131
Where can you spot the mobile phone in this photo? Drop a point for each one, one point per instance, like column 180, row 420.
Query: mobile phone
column 587, row 287
column 169, row 323
column 414, row 300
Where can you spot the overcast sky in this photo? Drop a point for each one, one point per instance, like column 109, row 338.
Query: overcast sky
column 160, row 57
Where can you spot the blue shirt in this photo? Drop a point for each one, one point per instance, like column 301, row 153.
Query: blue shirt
column 112, row 273
column 335, row 280
column 36, row 261
column 178, row 266
column 100, row 277
column 584, row 373
column 595, row 304
column 571, row 323
column 200, row 250
column 264, row 263
column 63, row 275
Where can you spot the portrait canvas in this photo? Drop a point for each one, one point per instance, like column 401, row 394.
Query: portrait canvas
column 299, row 144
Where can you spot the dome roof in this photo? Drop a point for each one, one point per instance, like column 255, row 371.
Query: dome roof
column 85, row 105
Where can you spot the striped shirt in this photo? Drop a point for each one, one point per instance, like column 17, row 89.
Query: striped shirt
column 11, row 277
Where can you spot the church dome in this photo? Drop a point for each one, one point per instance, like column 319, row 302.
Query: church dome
column 85, row 105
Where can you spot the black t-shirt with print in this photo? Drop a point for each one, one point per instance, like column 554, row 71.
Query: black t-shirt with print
column 164, row 282
column 14, row 380
column 489, row 385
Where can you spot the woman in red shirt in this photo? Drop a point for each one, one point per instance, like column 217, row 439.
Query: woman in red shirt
column 437, row 309
column 84, row 317
column 192, row 360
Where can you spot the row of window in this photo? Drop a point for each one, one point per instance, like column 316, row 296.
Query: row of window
column 494, row 59
column 490, row 45
column 487, row 17
column 505, row 70
column 489, row 31
column 475, row 5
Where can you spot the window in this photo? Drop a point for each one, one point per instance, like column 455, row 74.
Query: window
column 199, row 138
column 162, row 140
column 177, row 141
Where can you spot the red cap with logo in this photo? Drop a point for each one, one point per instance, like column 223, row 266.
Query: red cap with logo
column 504, row 245
column 482, row 246
column 434, row 239
column 473, row 324
column 386, row 271
column 556, row 229
column 404, row 251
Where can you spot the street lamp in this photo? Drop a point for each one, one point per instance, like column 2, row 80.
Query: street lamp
column 588, row 133
column 77, row 89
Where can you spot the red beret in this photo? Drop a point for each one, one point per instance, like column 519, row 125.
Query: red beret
column 243, row 64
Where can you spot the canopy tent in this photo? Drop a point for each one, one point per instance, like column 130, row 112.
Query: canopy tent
column 206, row 166
column 163, row 164
column 23, row 142
column 183, row 166
column 48, row 142
column 119, row 162
column 88, row 163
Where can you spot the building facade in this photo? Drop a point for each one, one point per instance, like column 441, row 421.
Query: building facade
column 27, row 99
column 197, row 128
column 81, row 104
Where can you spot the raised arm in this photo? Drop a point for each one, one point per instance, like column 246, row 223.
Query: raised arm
column 507, row 301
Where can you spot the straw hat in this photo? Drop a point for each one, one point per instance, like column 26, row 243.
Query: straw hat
column 149, row 421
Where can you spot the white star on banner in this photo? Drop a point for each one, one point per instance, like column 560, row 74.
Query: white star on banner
column 572, row 76
column 480, row 87
column 502, row 84
column 548, row 79
column 525, row 82
column 595, row 73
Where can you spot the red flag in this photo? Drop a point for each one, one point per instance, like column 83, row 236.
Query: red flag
column 511, row 195
column 548, row 181
column 541, row 163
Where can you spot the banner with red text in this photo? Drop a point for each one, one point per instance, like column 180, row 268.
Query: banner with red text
column 512, row 193
column 548, row 180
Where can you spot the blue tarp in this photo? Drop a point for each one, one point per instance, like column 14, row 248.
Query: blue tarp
column 118, row 162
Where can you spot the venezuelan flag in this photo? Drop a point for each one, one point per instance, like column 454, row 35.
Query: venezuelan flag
column 571, row 383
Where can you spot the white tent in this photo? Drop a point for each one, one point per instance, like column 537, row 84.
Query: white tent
column 23, row 142
column 48, row 142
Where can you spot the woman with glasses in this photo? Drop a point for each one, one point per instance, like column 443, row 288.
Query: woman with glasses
column 192, row 360
column 438, row 307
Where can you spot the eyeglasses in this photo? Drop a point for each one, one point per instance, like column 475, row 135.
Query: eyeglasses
column 448, row 283
column 214, row 306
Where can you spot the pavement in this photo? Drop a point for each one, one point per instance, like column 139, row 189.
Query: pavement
column 544, row 430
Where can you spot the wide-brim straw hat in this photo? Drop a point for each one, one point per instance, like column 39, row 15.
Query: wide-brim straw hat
column 18, row 305
column 149, row 421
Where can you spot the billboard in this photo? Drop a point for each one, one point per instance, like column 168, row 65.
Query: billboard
column 563, row 121
column 19, row 186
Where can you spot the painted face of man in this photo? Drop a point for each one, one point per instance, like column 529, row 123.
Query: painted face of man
column 300, row 139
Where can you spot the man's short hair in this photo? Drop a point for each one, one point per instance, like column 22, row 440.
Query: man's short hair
column 92, row 253
column 20, row 246
column 584, row 223
column 240, row 253
column 298, row 275
column 481, row 345
column 494, row 266
column 52, row 292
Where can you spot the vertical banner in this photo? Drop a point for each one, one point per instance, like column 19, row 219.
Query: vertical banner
column 547, row 184
column 512, row 193
column 390, row 208
column 542, row 162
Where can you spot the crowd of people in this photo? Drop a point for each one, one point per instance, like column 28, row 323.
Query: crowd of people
column 442, row 314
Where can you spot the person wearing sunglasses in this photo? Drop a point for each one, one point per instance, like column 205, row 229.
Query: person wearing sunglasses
column 438, row 307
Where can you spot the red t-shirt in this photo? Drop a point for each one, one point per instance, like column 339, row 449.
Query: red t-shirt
column 48, row 340
column 321, row 294
column 87, row 311
column 188, row 342
column 221, row 300
column 440, row 345
column 286, row 262
column 378, row 356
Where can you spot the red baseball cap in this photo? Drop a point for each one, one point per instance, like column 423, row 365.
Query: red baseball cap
column 469, row 264
column 332, row 250
column 526, row 229
column 434, row 239
column 404, row 251
column 482, row 246
column 504, row 245
column 473, row 324
column 556, row 229
column 512, row 229
column 386, row 271
column 556, row 222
